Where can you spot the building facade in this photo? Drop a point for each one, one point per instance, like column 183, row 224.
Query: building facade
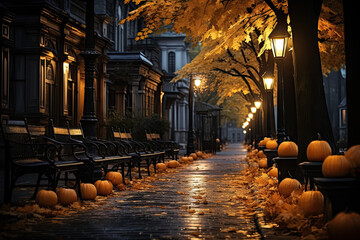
column 175, row 55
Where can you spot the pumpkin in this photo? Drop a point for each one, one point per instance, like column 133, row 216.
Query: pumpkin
column 173, row 164
column 199, row 154
column 312, row 203
column 274, row 172
column 288, row 185
column 288, row 149
column 353, row 155
column 161, row 166
column 318, row 150
column 266, row 139
column 262, row 143
column 190, row 159
column 271, row 144
column 103, row 187
column 336, row 166
column 88, row 191
column 114, row 177
column 263, row 163
column 261, row 154
column 193, row 155
column 344, row 226
column 46, row 198
column 66, row 196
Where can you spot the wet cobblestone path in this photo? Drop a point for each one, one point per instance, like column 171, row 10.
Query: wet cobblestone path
column 189, row 204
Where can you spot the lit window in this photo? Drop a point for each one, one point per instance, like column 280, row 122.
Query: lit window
column 171, row 62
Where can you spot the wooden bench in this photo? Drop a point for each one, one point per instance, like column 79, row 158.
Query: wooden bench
column 105, row 154
column 170, row 148
column 26, row 154
column 140, row 151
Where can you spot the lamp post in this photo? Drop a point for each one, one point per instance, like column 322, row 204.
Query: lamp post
column 268, row 78
column 258, row 120
column 279, row 38
column 89, row 120
column 190, row 144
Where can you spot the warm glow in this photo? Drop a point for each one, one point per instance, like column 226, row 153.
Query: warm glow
column 257, row 104
column 197, row 81
column 248, row 119
column 251, row 115
column 253, row 109
column 268, row 83
column 244, row 132
column 278, row 45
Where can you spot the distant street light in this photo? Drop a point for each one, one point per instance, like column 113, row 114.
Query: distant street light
column 197, row 81
column 190, row 144
column 257, row 104
column 268, row 78
column 253, row 109
column 279, row 38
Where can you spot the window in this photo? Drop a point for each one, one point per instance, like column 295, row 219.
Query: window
column 49, row 89
column 171, row 62
column 119, row 45
column 71, row 90
column 343, row 117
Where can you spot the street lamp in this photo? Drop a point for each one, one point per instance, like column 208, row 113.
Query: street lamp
column 89, row 120
column 197, row 81
column 257, row 104
column 258, row 120
column 190, row 144
column 268, row 78
column 253, row 109
column 279, row 38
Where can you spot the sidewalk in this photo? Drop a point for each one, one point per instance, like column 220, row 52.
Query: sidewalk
column 191, row 203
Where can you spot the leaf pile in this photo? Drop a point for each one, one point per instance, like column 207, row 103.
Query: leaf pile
column 260, row 193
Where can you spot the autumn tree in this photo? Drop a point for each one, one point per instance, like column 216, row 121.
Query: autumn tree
column 224, row 26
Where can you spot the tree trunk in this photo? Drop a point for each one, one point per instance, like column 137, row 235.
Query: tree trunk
column 289, row 98
column 352, row 52
column 312, row 113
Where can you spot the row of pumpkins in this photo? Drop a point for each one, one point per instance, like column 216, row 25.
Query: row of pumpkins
column 66, row 196
column 319, row 151
column 312, row 202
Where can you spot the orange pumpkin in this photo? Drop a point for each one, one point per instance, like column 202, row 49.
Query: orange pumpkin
column 161, row 166
column 103, row 187
column 46, row 198
column 199, row 154
column 344, row 226
column 271, row 144
column 266, row 139
column 262, row 143
column 88, row 191
column 274, row 172
column 318, row 150
column 66, row 196
column 288, row 149
column 193, row 155
column 353, row 155
column 336, row 166
column 114, row 177
column 173, row 164
column 312, row 203
column 288, row 185
column 263, row 163
column 261, row 154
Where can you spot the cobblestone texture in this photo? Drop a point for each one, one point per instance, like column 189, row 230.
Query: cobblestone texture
column 170, row 210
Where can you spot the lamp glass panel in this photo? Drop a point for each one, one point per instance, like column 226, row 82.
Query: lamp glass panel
column 269, row 83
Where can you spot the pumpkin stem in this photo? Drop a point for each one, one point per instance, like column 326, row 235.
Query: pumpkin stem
column 319, row 136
